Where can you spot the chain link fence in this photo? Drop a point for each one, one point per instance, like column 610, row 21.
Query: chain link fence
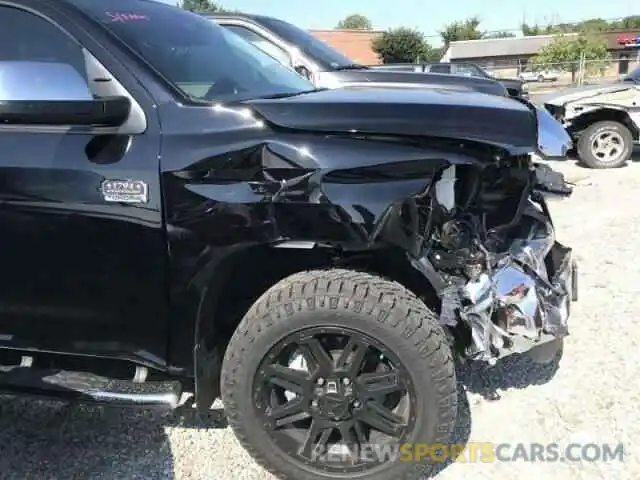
column 541, row 77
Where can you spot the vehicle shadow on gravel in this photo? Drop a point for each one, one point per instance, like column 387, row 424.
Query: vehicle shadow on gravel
column 42, row 439
column 515, row 371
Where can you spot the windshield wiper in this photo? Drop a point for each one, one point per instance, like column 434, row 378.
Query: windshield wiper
column 351, row 66
column 287, row 94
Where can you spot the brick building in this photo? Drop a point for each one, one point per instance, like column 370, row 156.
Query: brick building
column 355, row 44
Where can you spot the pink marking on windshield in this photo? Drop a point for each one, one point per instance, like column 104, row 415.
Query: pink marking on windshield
column 124, row 17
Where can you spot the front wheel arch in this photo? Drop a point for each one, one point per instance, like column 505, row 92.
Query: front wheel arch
column 260, row 267
column 581, row 123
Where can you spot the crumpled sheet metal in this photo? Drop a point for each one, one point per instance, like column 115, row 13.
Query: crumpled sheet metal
column 278, row 191
column 529, row 292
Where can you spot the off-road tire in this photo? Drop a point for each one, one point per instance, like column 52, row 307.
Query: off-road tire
column 380, row 308
column 586, row 155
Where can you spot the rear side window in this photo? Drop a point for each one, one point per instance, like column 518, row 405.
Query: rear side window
column 468, row 70
column 262, row 43
column 440, row 69
column 316, row 49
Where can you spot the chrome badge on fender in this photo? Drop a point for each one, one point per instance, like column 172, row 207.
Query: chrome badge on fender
column 125, row 191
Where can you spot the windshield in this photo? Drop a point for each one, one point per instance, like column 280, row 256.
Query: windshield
column 203, row 60
column 320, row 52
column 634, row 76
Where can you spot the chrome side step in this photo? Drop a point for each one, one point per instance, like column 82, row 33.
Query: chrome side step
column 87, row 387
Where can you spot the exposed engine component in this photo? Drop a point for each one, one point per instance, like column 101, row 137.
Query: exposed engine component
column 511, row 283
column 445, row 189
column 455, row 235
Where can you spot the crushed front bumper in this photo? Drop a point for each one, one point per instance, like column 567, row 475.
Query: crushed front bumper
column 524, row 301
column 555, row 305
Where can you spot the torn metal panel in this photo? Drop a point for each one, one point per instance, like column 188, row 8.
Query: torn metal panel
column 523, row 300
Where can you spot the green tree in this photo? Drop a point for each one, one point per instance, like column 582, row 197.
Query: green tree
column 355, row 22
column 499, row 35
column 431, row 54
column 403, row 45
column 565, row 52
column 461, row 30
column 592, row 25
column 627, row 23
column 532, row 30
column 203, row 6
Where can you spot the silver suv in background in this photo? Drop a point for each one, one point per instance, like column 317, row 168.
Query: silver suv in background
column 544, row 75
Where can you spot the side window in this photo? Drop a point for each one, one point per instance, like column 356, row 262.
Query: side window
column 440, row 68
column 262, row 43
column 466, row 70
column 28, row 41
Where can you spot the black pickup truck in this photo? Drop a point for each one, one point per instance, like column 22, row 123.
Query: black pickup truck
column 182, row 214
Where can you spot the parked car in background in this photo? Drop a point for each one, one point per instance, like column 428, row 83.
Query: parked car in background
column 317, row 258
column 603, row 120
column 515, row 87
column 327, row 67
column 399, row 67
column 540, row 76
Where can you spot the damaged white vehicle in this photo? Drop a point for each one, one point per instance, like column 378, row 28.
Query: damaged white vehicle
column 603, row 120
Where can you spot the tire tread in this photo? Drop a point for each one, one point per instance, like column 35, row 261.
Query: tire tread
column 350, row 290
column 584, row 150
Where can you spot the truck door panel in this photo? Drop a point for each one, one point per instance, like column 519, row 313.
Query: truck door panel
column 78, row 273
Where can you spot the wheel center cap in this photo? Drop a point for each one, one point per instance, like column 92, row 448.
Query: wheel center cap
column 334, row 400
column 334, row 406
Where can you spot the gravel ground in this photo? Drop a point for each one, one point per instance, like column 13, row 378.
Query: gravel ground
column 591, row 398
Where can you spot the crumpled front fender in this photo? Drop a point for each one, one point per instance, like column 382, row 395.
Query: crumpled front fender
column 339, row 192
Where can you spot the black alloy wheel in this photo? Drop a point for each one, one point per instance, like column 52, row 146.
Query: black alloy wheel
column 328, row 394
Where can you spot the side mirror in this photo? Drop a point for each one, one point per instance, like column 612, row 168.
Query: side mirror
column 105, row 112
column 51, row 93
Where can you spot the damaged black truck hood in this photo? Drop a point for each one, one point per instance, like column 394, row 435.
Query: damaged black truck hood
column 372, row 76
column 443, row 113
